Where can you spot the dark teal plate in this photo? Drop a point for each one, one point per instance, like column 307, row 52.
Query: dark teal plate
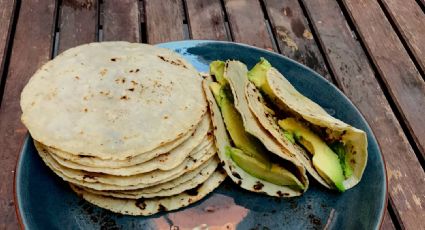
column 44, row 201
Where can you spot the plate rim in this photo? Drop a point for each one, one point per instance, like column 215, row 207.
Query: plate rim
column 16, row 175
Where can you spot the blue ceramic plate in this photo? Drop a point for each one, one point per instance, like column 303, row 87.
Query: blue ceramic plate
column 44, row 201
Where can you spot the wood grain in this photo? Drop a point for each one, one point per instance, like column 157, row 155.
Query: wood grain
column 293, row 34
column 164, row 21
column 247, row 24
column 121, row 21
column 351, row 69
column 206, row 19
column 410, row 21
column 77, row 23
column 404, row 83
column 7, row 9
column 32, row 46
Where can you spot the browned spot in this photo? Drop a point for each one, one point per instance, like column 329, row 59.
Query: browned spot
column 103, row 72
column 193, row 191
column 140, row 203
column 85, row 98
column 77, row 77
column 123, row 80
column 124, row 97
column 258, row 186
column 137, row 70
column 165, row 117
column 113, row 59
column 279, row 193
column 134, row 82
column 33, row 103
column 178, row 62
column 235, row 174
column 162, row 208
column 239, row 182
column 131, row 89
column 352, row 161
column 86, row 110
column 85, row 156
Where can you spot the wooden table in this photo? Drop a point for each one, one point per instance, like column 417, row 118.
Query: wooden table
column 373, row 50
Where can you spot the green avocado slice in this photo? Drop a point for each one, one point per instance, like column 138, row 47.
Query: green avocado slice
column 233, row 121
column 258, row 75
column 274, row 174
column 325, row 161
column 217, row 70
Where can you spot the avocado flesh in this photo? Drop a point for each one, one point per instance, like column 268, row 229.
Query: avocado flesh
column 234, row 125
column 339, row 149
column 217, row 69
column 258, row 76
column 325, row 161
column 274, row 174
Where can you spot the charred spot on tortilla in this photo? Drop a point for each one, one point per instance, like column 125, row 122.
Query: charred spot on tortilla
column 125, row 97
column 113, row 59
column 194, row 191
column 235, row 174
column 162, row 208
column 85, row 156
column 258, row 185
column 239, row 182
column 140, row 203
column 279, row 193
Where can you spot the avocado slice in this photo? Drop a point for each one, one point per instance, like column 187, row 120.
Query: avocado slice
column 217, row 69
column 258, row 75
column 339, row 149
column 233, row 121
column 325, row 161
column 274, row 174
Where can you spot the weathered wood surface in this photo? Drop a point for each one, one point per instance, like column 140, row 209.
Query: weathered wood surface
column 293, row 34
column 387, row 223
column 247, row 24
column 77, row 23
column 404, row 83
column 7, row 10
column 121, row 20
column 356, row 78
column 410, row 21
column 32, row 46
column 170, row 16
column 206, row 19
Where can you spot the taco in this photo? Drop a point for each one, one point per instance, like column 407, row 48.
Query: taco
column 250, row 156
column 333, row 152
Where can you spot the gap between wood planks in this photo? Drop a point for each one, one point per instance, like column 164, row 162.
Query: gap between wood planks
column 8, row 48
column 401, row 38
column 390, row 100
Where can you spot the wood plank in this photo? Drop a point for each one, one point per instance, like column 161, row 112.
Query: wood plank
column 164, row 21
column 7, row 9
column 247, row 24
column 410, row 21
column 293, row 34
column 121, row 20
column 206, row 19
column 387, row 223
column 77, row 23
column 399, row 73
column 32, row 46
column 351, row 69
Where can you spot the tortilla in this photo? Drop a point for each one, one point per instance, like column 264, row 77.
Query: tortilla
column 190, row 181
column 108, row 163
column 108, row 182
column 255, row 102
column 237, row 174
column 153, row 205
column 121, row 99
column 163, row 162
column 313, row 113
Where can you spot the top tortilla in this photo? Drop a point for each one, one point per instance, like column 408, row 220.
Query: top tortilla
column 113, row 99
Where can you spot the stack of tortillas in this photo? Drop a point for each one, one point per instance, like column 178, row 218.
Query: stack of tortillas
column 126, row 124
